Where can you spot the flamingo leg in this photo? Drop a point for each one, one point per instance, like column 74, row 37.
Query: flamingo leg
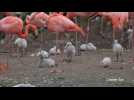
column 56, row 42
column 18, row 52
column 76, row 40
column 60, row 46
column 42, row 40
column 46, row 38
column 132, row 41
column 62, row 50
column 129, row 44
column 7, row 41
column 102, row 22
column 76, row 44
column 36, row 33
column 10, row 44
column 114, row 34
column 7, row 62
column 23, row 51
column 87, row 39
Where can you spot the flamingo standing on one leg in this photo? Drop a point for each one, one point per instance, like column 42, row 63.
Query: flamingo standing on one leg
column 55, row 23
column 59, row 24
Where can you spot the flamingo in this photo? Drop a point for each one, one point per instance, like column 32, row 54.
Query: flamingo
column 118, row 20
column 88, row 15
column 130, row 37
column 88, row 47
column 7, row 13
column 37, row 18
column 54, row 22
column 21, row 44
column 91, row 47
column 117, row 49
column 80, row 14
column 10, row 13
column 45, row 60
column 36, row 21
column 57, row 23
column 106, row 62
column 69, row 51
column 53, row 51
column 12, row 26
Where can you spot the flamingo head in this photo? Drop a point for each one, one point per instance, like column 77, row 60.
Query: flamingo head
column 43, row 19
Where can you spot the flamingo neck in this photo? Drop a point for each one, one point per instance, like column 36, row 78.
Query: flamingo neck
column 24, row 34
column 0, row 26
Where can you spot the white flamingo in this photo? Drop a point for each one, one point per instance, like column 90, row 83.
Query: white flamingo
column 69, row 51
column 21, row 45
column 117, row 49
column 106, row 62
column 53, row 51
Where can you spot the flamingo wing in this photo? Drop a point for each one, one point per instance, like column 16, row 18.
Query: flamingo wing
column 11, row 24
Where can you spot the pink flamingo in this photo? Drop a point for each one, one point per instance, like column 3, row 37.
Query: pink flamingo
column 12, row 26
column 35, row 21
column 60, row 24
column 9, row 13
column 88, row 15
column 118, row 20
column 43, row 20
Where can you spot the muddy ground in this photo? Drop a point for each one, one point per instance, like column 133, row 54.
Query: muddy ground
column 84, row 71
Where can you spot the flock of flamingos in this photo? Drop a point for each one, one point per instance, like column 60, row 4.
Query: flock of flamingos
column 59, row 23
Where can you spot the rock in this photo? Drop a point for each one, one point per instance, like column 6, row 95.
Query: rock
column 32, row 55
column 24, row 85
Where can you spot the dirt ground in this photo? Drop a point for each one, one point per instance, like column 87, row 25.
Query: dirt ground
column 84, row 71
